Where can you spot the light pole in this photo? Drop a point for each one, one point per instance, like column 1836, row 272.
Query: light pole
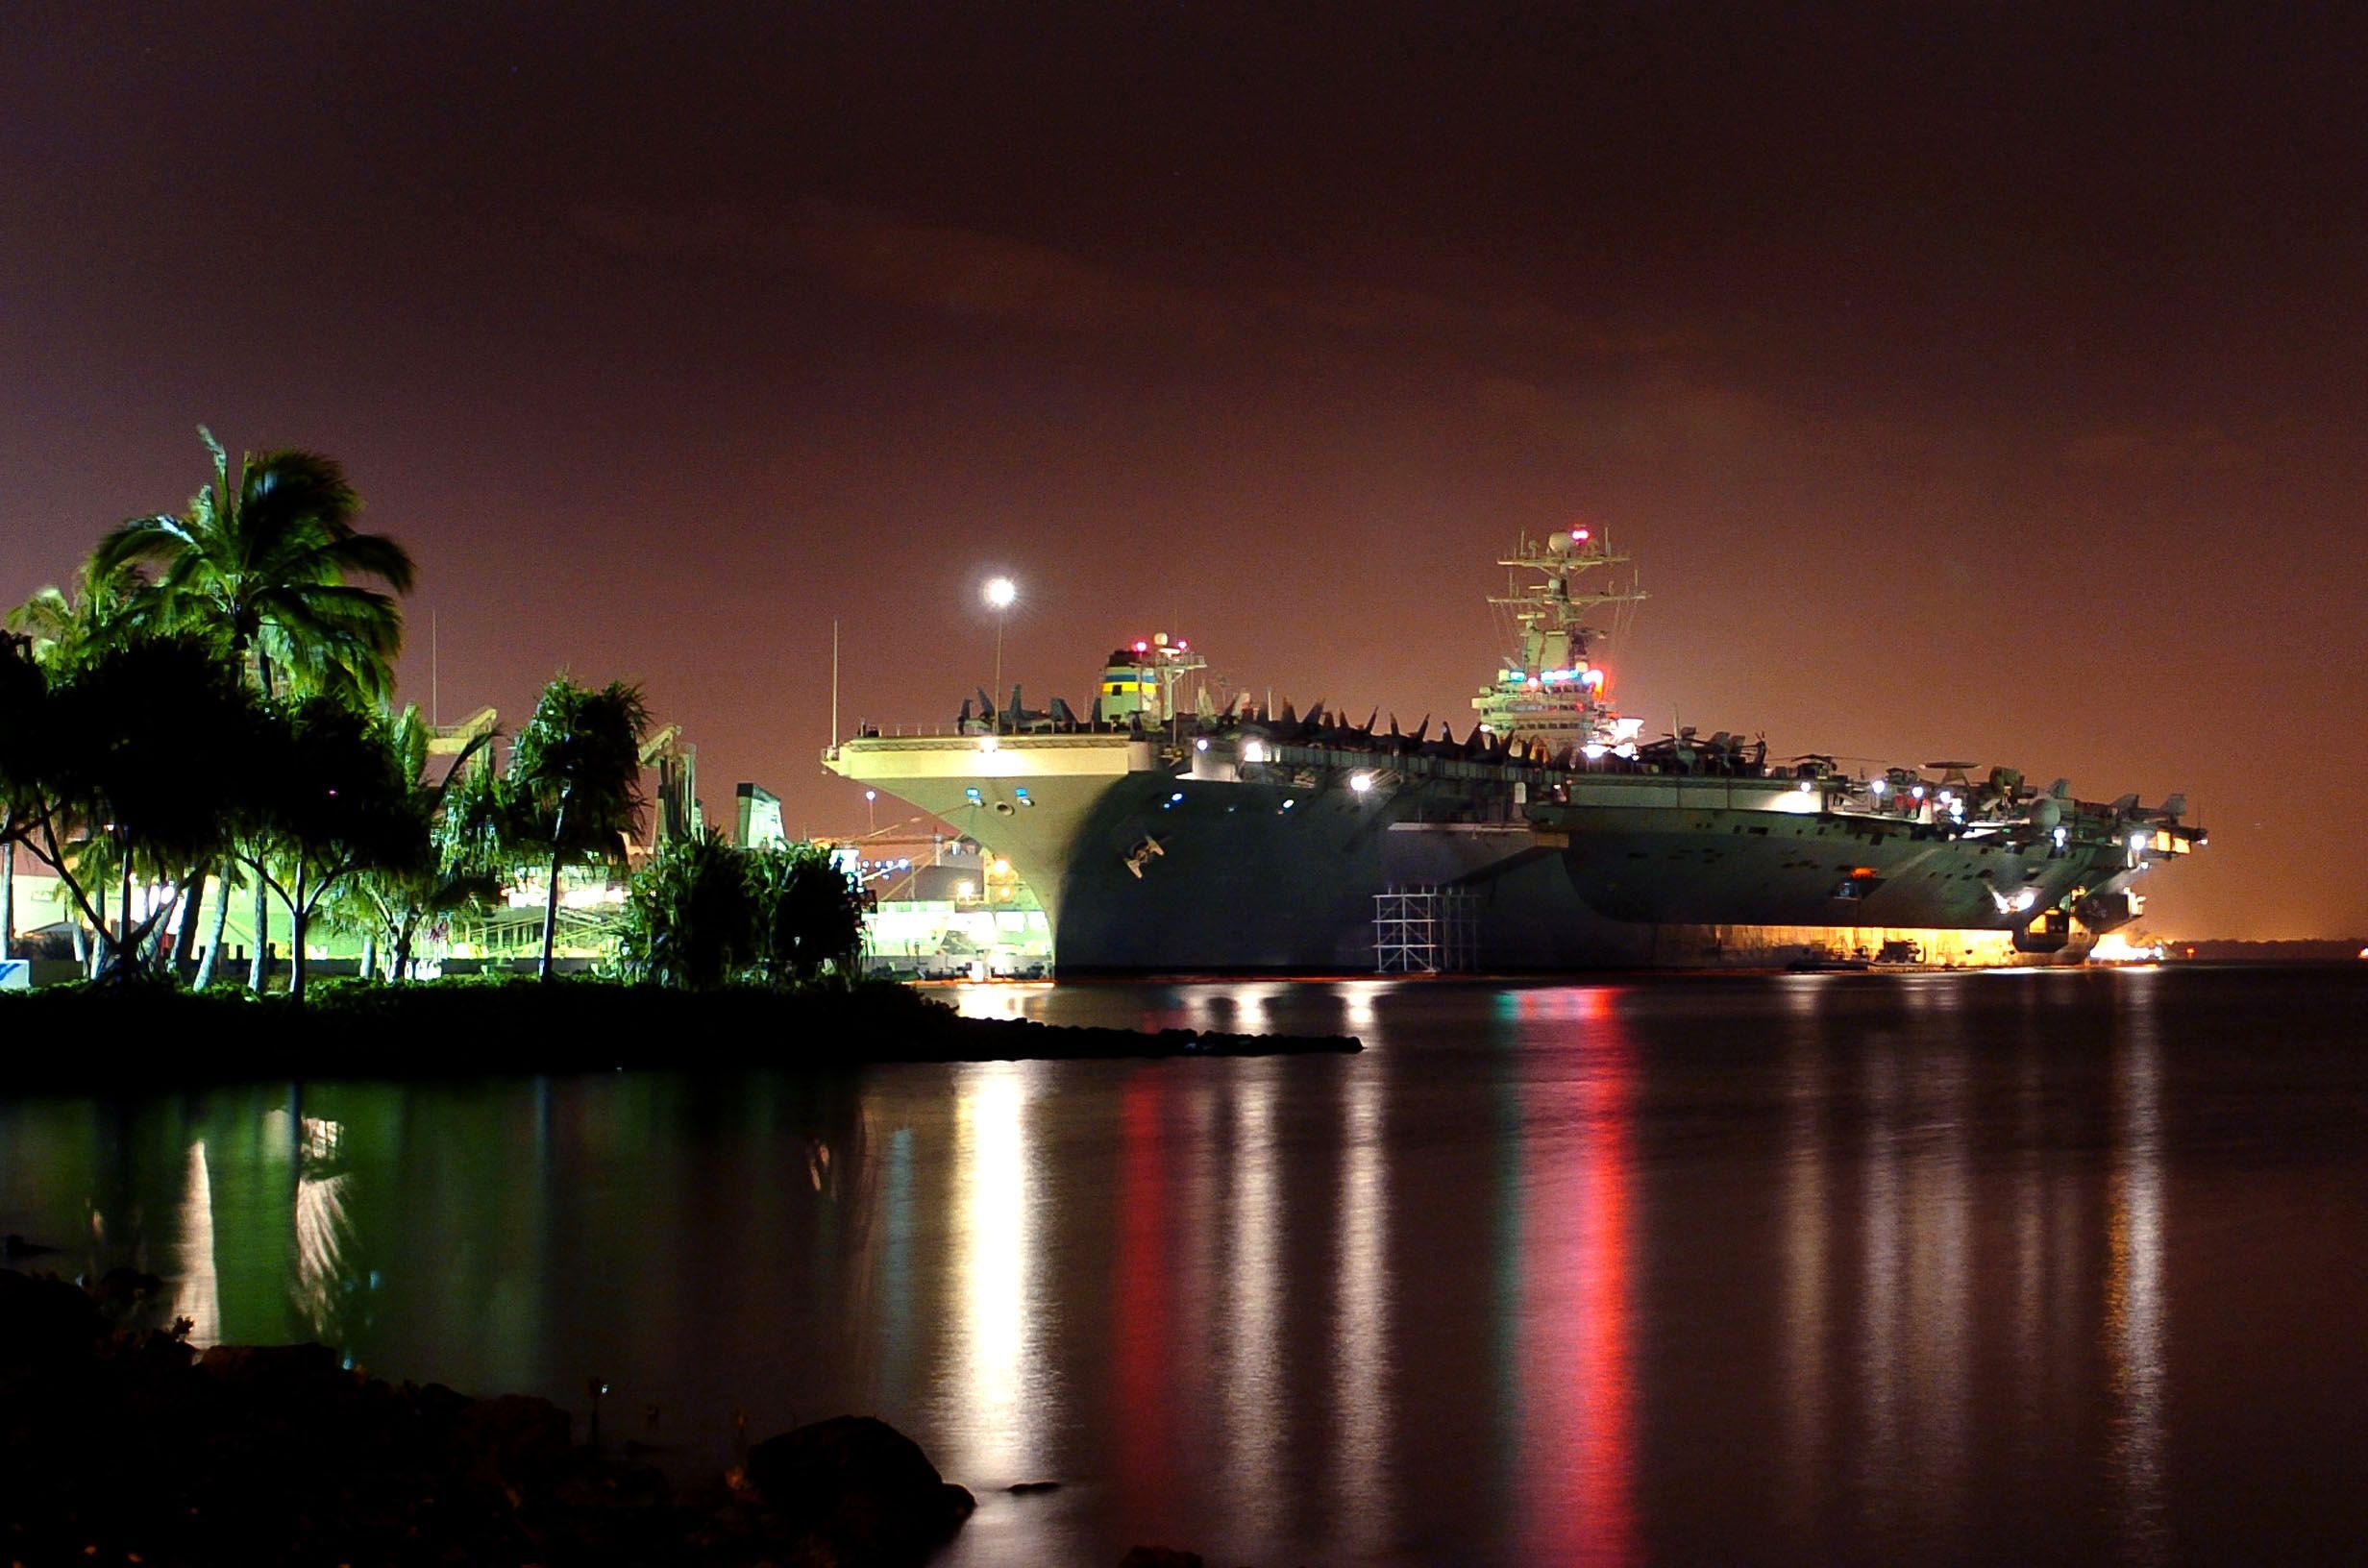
column 1000, row 591
column 870, row 821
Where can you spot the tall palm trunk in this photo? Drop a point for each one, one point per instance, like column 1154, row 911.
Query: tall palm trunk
column 297, row 910
column 90, row 953
column 156, row 947
column 193, row 910
column 550, row 917
column 260, row 969
column 259, row 966
column 123, row 960
column 221, row 922
column 8, row 899
column 551, row 897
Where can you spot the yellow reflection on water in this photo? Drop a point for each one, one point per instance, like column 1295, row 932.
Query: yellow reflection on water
column 992, row 1239
column 197, row 1292
column 1001, row 998
column 1357, row 997
column 1250, row 1379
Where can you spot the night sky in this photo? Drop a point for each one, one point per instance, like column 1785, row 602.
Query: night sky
column 1976, row 382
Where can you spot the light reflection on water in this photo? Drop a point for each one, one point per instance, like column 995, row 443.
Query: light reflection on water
column 1361, row 1481
column 2134, row 1304
column 197, row 1292
column 994, row 1357
column 1798, row 1269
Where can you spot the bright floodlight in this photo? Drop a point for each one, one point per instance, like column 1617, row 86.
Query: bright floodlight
column 1000, row 592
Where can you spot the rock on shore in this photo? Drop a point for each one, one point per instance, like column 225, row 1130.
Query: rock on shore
column 131, row 1447
column 860, row 1489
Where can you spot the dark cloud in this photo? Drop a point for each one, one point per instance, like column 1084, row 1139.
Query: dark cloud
column 938, row 267
column 2159, row 452
column 972, row 273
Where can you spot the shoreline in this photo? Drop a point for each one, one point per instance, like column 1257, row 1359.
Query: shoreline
column 447, row 1030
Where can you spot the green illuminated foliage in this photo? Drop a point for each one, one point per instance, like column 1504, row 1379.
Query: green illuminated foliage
column 687, row 915
column 701, row 912
column 262, row 559
column 329, row 802
column 135, row 764
column 572, row 788
column 806, row 913
column 426, row 873
column 261, row 562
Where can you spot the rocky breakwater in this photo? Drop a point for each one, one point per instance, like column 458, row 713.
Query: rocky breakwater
column 125, row 1446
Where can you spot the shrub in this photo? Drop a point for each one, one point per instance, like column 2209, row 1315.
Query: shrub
column 806, row 915
column 702, row 911
column 685, row 923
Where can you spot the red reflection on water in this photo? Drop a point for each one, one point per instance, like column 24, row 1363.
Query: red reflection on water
column 1142, row 1336
column 1581, row 1404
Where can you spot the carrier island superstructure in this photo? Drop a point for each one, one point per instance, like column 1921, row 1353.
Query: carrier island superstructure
column 1164, row 832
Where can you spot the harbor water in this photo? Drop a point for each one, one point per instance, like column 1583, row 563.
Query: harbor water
column 2001, row 1267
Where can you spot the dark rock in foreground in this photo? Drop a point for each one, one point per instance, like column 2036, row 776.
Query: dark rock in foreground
column 131, row 1447
column 858, row 1489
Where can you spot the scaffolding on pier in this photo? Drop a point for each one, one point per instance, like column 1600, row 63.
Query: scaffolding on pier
column 1423, row 929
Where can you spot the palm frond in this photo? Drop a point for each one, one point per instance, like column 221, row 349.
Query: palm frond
column 354, row 555
column 159, row 539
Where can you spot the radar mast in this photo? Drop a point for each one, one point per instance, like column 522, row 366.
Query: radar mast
column 1547, row 689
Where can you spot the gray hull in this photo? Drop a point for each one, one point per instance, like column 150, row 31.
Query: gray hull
column 1243, row 885
column 1152, row 863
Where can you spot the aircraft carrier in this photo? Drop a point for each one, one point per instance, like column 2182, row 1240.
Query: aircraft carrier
column 1166, row 832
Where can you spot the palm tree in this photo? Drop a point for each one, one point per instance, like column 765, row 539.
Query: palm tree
column 261, row 560
column 390, row 900
column 333, row 805
column 575, row 782
column 134, row 769
column 24, row 692
column 63, row 629
column 67, row 626
column 262, row 557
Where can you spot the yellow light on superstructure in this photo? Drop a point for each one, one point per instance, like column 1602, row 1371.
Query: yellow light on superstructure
column 2115, row 948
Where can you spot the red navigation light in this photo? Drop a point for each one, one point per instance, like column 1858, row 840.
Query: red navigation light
column 1181, row 644
column 1580, row 534
column 1143, row 647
